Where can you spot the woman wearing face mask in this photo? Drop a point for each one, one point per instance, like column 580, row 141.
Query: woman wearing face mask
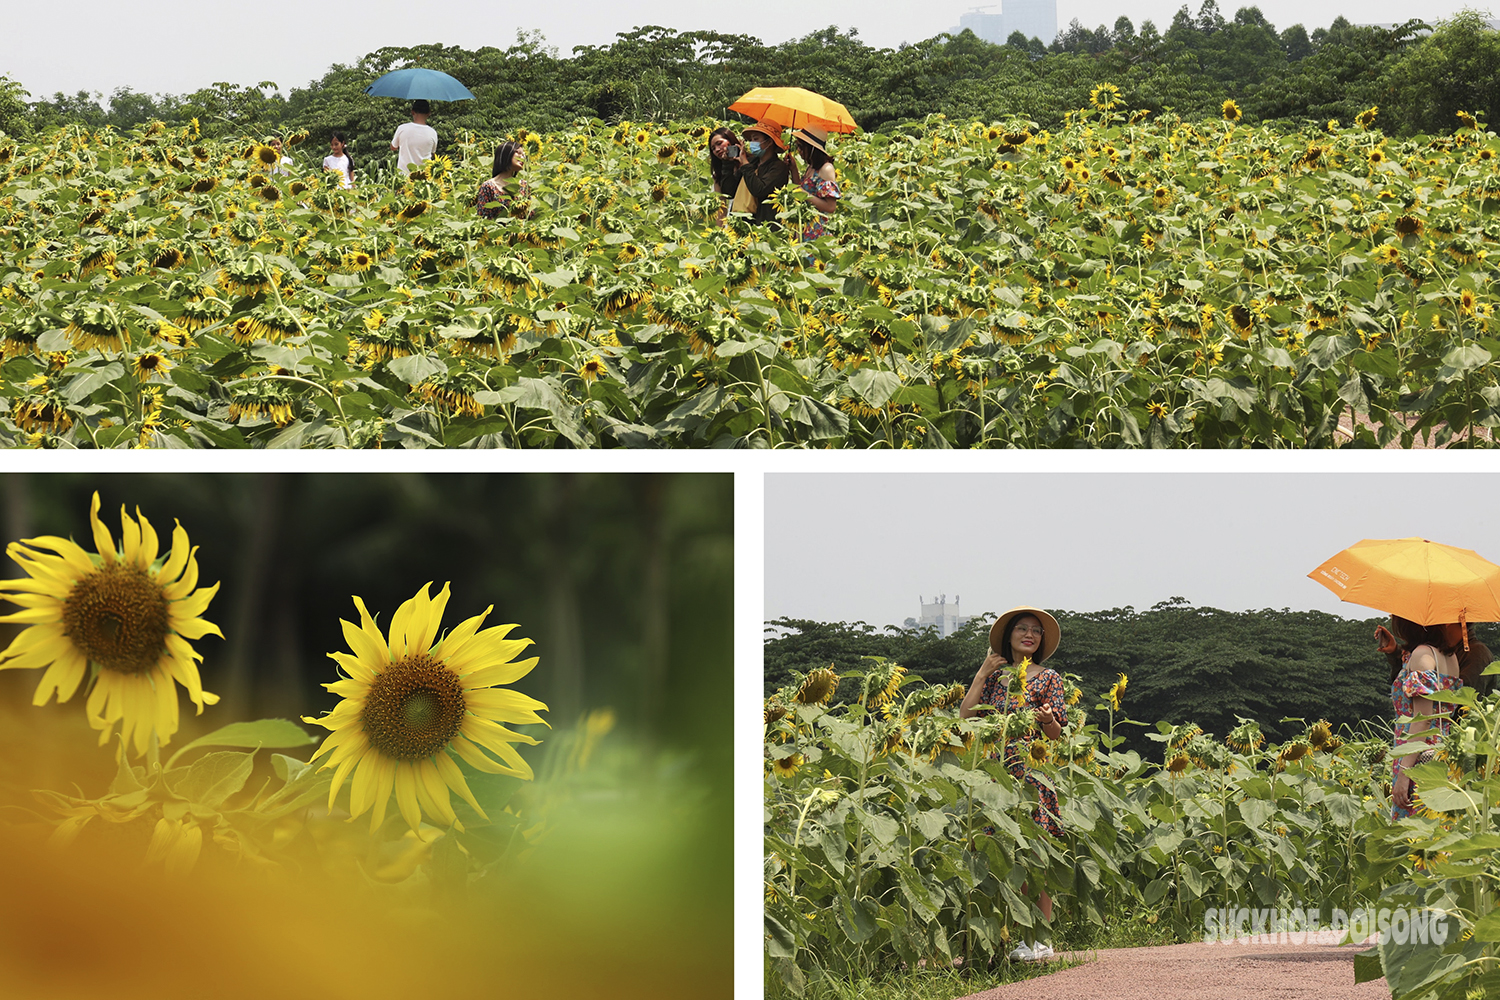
column 761, row 171
column 503, row 194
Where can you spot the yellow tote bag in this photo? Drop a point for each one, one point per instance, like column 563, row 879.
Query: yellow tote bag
column 744, row 202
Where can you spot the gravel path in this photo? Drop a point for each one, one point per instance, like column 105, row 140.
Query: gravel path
column 1203, row 972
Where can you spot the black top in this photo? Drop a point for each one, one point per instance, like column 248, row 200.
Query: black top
column 761, row 178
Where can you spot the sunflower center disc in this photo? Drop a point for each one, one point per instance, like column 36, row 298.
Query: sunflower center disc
column 117, row 616
column 414, row 708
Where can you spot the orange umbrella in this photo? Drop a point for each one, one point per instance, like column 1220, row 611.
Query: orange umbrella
column 1422, row 581
column 793, row 106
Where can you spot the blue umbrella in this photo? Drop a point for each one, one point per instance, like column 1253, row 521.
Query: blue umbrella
column 414, row 83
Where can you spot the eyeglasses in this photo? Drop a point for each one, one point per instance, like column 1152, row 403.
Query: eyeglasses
column 1027, row 630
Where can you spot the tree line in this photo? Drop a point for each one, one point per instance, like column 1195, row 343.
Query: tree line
column 1418, row 78
column 1185, row 664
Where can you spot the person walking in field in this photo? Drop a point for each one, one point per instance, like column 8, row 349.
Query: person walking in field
column 1031, row 635
column 416, row 141
column 761, row 171
column 820, row 181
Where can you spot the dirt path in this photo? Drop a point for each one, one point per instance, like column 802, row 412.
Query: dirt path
column 1203, row 972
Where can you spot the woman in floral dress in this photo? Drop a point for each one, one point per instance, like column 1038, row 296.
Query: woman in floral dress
column 820, row 181
column 1025, row 634
column 503, row 195
column 1429, row 665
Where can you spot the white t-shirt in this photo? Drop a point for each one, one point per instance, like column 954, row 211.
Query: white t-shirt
column 341, row 164
column 415, row 142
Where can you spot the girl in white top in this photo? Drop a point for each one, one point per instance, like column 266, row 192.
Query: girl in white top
column 340, row 161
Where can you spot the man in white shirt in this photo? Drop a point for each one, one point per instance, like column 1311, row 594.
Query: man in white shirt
column 415, row 140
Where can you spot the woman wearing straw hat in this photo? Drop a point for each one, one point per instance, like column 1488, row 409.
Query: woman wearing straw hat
column 1030, row 635
column 762, row 171
column 820, row 181
column 1428, row 664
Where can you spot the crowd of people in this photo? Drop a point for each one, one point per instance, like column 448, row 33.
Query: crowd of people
column 745, row 174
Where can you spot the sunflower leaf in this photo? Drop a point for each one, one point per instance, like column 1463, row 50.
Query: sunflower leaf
column 213, row 777
column 277, row 733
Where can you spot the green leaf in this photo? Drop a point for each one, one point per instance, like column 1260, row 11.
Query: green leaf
column 875, row 386
column 277, row 733
column 84, row 385
column 414, row 369
column 212, row 778
column 1367, row 967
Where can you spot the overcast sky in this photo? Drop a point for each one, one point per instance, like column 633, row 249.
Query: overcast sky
column 176, row 46
column 855, row 547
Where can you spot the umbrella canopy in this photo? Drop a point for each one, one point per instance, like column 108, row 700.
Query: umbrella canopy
column 793, row 106
column 1422, row 581
column 414, row 83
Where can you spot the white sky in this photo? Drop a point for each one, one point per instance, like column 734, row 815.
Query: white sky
column 176, row 46
column 866, row 547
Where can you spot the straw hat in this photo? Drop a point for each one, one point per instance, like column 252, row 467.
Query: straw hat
column 771, row 130
column 1051, row 632
column 815, row 137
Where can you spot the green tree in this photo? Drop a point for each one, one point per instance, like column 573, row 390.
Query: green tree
column 1456, row 68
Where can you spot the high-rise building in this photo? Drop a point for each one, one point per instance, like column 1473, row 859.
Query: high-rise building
column 937, row 614
column 1032, row 18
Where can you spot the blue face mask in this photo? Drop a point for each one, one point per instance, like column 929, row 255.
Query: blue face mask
column 754, row 148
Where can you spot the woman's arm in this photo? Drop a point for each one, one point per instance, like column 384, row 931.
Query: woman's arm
column 1051, row 712
column 825, row 205
column 994, row 661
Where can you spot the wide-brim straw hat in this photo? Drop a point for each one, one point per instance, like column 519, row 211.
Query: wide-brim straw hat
column 815, row 137
column 1051, row 631
column 771, row 130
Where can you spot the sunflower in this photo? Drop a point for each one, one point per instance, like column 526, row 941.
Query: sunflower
column 1105, row 96
column 817, row 687
column 1241, row 319
column 410, row 702
column 1387, row 253
column 1179, row 763
column 122, row 617
column 1039, row 752
column 1408, row 225
column 1376, row 157
column 1467, row 301
column 1320, row 734
column 149, row 365
column 1231, row 111
column 592, row 369
column 786, row 767
column 1366, row 118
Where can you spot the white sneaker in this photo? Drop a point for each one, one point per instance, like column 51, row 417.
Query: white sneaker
column 1022, row 953
column 1041, row 951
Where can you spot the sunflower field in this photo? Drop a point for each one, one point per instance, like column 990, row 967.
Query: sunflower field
column 1128, row 280
column 893, row 836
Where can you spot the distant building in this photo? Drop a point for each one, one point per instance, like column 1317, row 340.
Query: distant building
column 1032, row 18
column 940, row 615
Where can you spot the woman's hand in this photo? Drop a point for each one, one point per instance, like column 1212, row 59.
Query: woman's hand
column 1044, row 716
column 994, row 661
column 1401, row 790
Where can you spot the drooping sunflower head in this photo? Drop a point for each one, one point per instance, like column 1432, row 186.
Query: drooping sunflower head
column 883, row 683
column 1319, row 734
column 818, row 687
column 411, row 700
column 1178, row 764
column 1231, row 111
column 150, row 364
column 126, row 618
column 1039, row 752
column 1366, row 118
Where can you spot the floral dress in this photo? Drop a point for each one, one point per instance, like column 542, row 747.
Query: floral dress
column 1047, row 687
column 823, row 188
column 1410, row 685
column 494, row 202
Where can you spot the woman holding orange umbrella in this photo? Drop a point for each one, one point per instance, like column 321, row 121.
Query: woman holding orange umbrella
column 1423, row 585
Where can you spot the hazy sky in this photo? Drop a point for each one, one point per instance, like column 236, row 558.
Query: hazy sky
column 858, row 547
column 175, row 46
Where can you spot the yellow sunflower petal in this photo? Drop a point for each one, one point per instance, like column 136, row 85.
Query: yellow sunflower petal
column 67, row 550
column 406, row 794
column 63, row 676
column 188, row 581
column 130, row 539
column 454, row 776
column 425, row 621
column 365, row 640
column 362, row 788
column 385, row 779
column 499, row 673
column 150, row 544
column 462, row 633
column 102, row 540
column 175, row 563
column 434, row 792
column 501, row 705
column 402, row 619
